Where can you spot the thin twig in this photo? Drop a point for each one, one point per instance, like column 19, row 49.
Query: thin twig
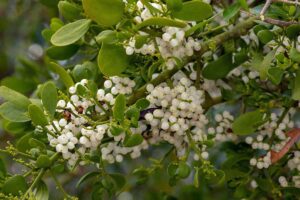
column 272, row 21
column 288, row 2
column 264, row 9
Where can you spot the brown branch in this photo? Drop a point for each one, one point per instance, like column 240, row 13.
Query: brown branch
column 276, row 22
column 288, row 2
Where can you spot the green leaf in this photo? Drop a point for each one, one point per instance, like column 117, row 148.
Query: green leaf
column 49, row 98
column 265, row 36
column 244, row 4
column 63, row 74
column 193, row 11
column 196, row 178
column 62, row 53
column 161, row 21
column 133, row 140
column 116, row 130
column 70, row 33
column 218, row 179
column 11, row 112
column 41, row 191
column 275, row 75
column 263, row 64
column 183, row 170
column 294, row 55
column 87, row 70
column 258, row 28
column 23, row 143
column 142, row 175
column 140, row 40
column 107, row 36
column 175, row 5
column 247, row 123
column 172, row 168
column 293, row 31
column 104, row 12
column 14, row 185
column 133, row 113
column 37, row 115
column 19, row 100
column 3, row 171
column 69, row 11
column 36, row 144
column 112, row 60
column 86, row 177
column 296, row 87
column 119, row 108
column 15, row 127
column 231, row 11
column 18, row 84
column 142, row 104
column 119, row 180
column 43, row 161
column 223, row 65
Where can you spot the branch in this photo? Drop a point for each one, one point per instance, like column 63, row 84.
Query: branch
column 264, row 9
column 288, row 2
column 272, row 21
column 238, row 30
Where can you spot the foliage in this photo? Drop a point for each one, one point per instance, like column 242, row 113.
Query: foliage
column 204, row 95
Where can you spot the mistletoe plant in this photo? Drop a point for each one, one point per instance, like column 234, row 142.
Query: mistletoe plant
column 213, row 85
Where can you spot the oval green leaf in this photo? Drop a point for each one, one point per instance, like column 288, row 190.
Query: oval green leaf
column 175, row 5
column 63, row 74
column 293, row 31
column 265, row 36
column 133, row 140
column 37, row 115
column 14, row 185
column 49, row 98
column 104, row 12
column 294, row 55
column 62, row 53
column 69, row 11
column 112, row 60
column 223, row 65
column 296, row 87
column 247, row 123
column 11, row 112
column 119, row 108
column 193, row 11
column 18, row 99
column 43, row 161
column 70, row 33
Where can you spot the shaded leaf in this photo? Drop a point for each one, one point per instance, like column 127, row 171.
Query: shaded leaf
column 37, row 115
column 86, row 177
column 49, row 98
column 14, row 185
